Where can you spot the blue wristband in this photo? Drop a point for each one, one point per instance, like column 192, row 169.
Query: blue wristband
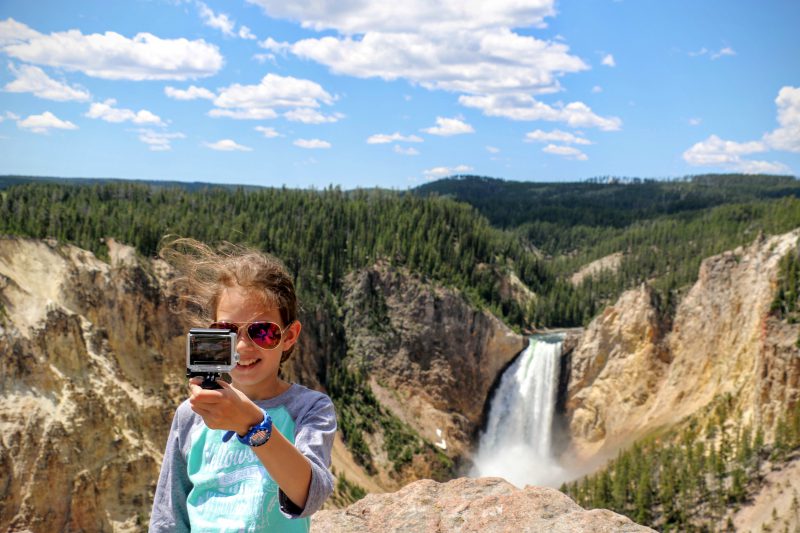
column 258, row 434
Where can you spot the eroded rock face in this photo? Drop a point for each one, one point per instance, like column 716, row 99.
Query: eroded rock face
column 90, row 372
column 630, row 376
column 432, row 358
column 463, row 505
column 617, row 363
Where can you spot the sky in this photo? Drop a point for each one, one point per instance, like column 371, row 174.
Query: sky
column 396, row 94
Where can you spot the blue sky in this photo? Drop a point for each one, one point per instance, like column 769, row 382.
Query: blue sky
column 395, row 94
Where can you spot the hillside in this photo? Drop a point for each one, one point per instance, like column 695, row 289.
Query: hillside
column 605, row 202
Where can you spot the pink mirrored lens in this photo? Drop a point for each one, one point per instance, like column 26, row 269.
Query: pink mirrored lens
column 267, row 335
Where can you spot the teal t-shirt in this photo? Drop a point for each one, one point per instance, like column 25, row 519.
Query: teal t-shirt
column 231, row 489
column 209, row 485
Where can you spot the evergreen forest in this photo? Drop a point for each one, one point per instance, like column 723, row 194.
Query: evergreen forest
column 449, row 231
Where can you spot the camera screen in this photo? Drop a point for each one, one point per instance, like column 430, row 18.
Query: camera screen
column 210, row 350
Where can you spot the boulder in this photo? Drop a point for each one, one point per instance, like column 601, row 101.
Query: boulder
column 466, row 504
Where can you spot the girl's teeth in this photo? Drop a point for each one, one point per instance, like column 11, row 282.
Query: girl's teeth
column 248, row 363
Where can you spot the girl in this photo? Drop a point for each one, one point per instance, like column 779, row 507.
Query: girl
column 275, row 474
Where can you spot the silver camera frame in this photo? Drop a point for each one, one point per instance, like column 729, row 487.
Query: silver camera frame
column 198, row 333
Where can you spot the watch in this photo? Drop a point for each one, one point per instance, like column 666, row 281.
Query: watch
column 258, row 434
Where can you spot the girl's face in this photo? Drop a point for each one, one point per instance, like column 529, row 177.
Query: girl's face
column 257, row 372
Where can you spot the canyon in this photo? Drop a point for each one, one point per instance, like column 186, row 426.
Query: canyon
column 91, row 359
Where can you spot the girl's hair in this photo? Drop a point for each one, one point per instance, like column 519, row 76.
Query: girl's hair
column 204, row 272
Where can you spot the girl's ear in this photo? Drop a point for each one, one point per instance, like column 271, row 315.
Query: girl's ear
column 292, row 333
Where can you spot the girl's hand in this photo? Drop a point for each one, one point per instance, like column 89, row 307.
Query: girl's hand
column 227, row 408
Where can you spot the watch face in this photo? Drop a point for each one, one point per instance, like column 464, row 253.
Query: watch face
column 259, row 437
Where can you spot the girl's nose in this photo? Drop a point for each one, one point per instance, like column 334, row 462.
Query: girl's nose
column 242, row 342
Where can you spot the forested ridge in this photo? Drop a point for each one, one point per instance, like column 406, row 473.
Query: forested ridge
column 662, row 229
column 608, row 201
column 321, row 235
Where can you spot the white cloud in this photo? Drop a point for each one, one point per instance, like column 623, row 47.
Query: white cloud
column 352, row 18
column 8, row 115
column 245, row 33
column 158, row 141
column 383, row 138
column 13, row 32
column 244, row 114
column 694, row 121
column 220, row 22
column 440, row 172
column 32, row 79
column 274, row 92
column 718, row 152
column 787, row 136
column 228, row 145
column 111, row 55
column 192, row 93
column 570, row 152
column 274, row 46
column 223, row 23
column 728, row 155
column 492, row 149
column 106, row 111
column 44, row 123
column 747, row 166
column 312, row 143
column 307, row 115
column 555, row 136
column 405, row 151
column 525, row 107
column 727, row 51
column 269, row 133
column 608, row 61
column 466, row 47
column 478, row 62
column 449, row 126
column 597, row 89
column 263, row 58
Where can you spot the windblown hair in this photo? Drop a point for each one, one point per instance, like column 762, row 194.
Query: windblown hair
column 204, row 272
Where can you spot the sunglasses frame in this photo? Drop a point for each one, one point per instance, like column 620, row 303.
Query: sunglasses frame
column 238, row 327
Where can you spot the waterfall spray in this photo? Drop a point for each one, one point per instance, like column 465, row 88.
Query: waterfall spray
column 516, row 444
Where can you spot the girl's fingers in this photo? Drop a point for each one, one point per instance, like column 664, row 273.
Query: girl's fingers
column 209, row 396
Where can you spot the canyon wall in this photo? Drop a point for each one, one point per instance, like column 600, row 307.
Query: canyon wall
column 632, row 372
column 431, row 358
column 89, row 374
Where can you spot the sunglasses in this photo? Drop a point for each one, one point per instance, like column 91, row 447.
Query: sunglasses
column 266, row 335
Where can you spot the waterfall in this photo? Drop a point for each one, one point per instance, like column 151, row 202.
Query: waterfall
column 516, row 444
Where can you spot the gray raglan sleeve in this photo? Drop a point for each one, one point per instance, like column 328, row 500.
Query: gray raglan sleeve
column 314, row 439
column 169, row 505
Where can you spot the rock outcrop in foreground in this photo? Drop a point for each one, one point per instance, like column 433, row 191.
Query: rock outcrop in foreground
column 464, row 504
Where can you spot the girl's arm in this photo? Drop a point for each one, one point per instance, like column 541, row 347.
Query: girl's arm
column 298, row 474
